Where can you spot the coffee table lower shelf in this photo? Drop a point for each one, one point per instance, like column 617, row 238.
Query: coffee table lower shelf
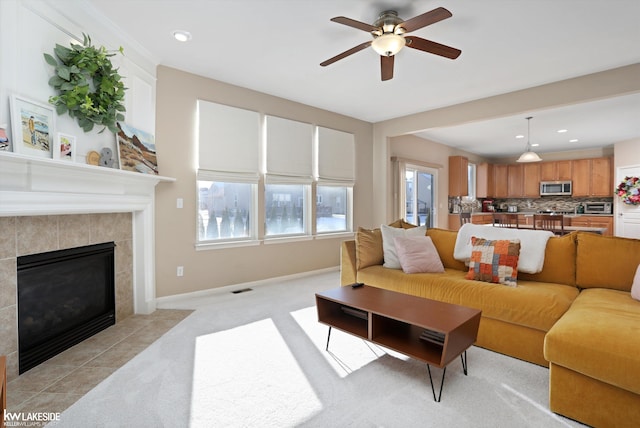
column 427, row 330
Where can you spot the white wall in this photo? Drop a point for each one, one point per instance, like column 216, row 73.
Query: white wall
column 30, row 29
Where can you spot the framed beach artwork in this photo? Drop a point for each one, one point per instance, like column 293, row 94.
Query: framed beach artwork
column 32, row 124
column 5, row 145
column 136, row 150
column 65, row 148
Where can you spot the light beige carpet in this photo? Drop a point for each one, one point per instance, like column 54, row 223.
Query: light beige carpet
column 257, row 359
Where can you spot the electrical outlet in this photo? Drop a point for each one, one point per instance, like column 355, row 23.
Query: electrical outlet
column 179, row 203
column 180, row 271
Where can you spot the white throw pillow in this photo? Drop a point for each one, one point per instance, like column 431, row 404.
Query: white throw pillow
column 389, row 233
column 417, row 254
column 635, row 287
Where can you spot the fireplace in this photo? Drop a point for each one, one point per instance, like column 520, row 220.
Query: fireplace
column 64, row 297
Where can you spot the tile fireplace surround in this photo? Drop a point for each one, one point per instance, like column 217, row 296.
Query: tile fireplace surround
column 48, row 205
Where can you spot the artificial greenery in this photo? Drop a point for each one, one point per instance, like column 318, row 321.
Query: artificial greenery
column 89, row 88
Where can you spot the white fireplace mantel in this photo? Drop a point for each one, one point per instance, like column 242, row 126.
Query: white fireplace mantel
column 38, row 186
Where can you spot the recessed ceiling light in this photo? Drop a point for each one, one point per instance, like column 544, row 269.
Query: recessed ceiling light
column 535, row 145
column 182, row 36
column 575, row 140
column 519, row 136
column 561, row 131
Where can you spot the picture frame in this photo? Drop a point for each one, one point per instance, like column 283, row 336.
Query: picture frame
column 65, row 149
column 5, row 143
column 136, row 150
column 33, row 126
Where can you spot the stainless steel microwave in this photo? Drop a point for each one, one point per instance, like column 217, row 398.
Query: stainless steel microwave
column 598, row 208
column 555, row 188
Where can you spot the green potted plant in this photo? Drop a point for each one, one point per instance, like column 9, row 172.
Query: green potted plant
column 89, row 87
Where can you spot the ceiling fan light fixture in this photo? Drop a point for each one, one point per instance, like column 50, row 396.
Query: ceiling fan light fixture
column 529, row 155
column 388, row 44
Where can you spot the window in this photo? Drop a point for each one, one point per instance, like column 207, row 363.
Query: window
column 419, row 196
column 224, row 210
column 285, row 209
column 417, row 189
column 238, row 149
column 332, row 208
column 471, row 182
column 289, row 149
column 228, row 174
column 335, row 174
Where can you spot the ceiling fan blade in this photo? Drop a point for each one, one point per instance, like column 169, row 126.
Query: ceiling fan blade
column 346, row 53
column 353, row 23
column 428, row 18
column 386, row 67
column 432, row 47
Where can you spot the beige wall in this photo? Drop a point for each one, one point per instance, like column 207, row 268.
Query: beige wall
column 177, row 93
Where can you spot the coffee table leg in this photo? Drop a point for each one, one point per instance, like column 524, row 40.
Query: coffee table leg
column 441, row 384
column 329, row 337
column 463, row 357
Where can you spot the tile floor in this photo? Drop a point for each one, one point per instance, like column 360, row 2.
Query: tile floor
column 59, row 382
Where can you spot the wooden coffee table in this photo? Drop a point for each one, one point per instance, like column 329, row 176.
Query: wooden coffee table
column 428, row 330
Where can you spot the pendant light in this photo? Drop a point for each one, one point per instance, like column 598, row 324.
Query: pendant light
column 528, row 155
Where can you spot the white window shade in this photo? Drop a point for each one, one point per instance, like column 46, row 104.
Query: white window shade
column 336, row 155
column 289, row 148
column 228, row 138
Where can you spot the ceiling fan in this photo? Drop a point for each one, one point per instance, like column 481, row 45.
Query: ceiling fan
column 388, row 37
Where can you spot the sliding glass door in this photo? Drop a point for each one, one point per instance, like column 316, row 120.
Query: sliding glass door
column 419, row 195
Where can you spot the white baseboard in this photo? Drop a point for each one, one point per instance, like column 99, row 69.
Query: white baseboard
column 168, row 302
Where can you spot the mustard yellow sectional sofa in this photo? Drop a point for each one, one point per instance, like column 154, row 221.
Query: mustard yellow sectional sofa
column 576, row 316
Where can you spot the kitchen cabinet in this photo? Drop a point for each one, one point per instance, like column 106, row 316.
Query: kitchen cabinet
column 515, row 182
column 458, row 176
column 594, row 221
column 556, row 170
column 453, row 222
column 592, row 177
column 601, row 177
column 484, row 181
column 501, row 179
column 531, row 180
column 481, row 218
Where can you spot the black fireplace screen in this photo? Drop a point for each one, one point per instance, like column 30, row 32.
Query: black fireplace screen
column 64, row 297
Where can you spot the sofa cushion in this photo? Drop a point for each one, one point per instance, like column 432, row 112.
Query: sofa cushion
column 494, row 261
column 445, row 241
column 597, row 337
column 389, row 247
column 559, row 261
column 368, row 248
column 635, row 287
column 417, row 254
column 606, row 261
column 536, row 305
column 369, row 244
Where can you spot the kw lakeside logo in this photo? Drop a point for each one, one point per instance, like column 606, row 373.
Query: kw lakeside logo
column 29, row 419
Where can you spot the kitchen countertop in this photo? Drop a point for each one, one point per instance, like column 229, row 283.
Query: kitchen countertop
column 599, row 230
column 531, row 213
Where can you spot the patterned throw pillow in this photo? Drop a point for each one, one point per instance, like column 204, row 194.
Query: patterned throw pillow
column 494, row 261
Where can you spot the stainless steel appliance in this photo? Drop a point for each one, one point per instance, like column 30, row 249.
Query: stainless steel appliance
column 555, row 188
column 598, row 208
